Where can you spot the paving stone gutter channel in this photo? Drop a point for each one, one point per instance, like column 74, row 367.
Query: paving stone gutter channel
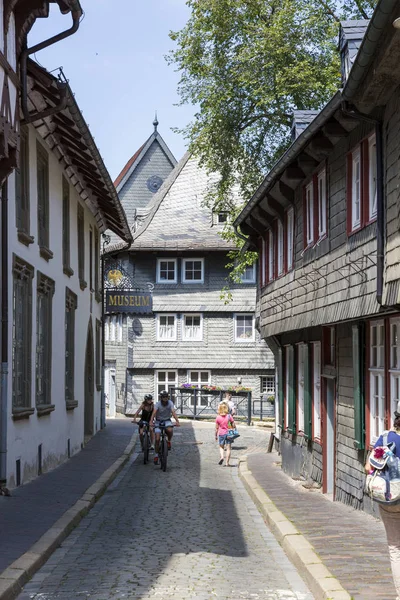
column 321, row 582
column 16, row 575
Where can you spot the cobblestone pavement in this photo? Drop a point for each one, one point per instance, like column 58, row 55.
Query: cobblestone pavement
column 189, row 533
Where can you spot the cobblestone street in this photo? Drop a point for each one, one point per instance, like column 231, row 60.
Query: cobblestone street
column 191, row 532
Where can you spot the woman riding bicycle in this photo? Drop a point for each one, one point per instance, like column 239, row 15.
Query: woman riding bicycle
column 146, row 408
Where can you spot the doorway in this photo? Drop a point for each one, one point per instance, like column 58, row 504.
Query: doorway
column 89, row 383
column 329, row 436
column 109, row 386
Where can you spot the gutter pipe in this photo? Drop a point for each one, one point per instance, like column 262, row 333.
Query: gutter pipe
column 76, row 15
column 4, row 336
column 380, row 217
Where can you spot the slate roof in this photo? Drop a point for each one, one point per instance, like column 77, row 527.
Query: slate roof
column 177, row 218
column 134, row 161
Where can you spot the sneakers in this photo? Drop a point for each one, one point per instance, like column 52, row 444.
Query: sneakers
column 156, row 460
column 169, row 445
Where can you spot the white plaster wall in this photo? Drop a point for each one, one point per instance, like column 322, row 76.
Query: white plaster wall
column 53, row 430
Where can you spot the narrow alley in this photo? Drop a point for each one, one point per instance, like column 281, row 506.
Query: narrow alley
column 192, row 532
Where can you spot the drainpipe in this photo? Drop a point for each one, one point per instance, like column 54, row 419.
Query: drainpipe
column 76, row 15
column 380, row 217
column 240, row 235
column 4, row 336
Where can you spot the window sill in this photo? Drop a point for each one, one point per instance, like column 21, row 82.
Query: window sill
column 25, row 238
column 22, row 413
column 82, row 284
column 44, row 409
column 46, row 253
column 68, row 271
column 71, row 404
column 198, row 282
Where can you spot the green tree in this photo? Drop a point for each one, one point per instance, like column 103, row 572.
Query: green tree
column 246, row 65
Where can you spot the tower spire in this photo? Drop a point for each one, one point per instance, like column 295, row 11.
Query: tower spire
column 155, row 123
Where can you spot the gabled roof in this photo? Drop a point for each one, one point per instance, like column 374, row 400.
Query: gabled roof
column 135, row 160
column 177, row 219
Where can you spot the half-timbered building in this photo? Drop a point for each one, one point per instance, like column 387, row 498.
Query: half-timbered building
column 188, row 335
column 55, row 205
column 325, row 221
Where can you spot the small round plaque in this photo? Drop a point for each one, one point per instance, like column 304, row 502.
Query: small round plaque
column 154, row 183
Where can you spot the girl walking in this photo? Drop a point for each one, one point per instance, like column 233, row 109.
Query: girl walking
column 221, row 432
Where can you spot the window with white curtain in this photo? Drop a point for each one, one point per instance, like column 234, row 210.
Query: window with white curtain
column 394, row 368
column 249, row 274
column 165, row 380
column 244, row 328
column 290, row 238
column 166, row 328
column 300, row 386
column 321, row 204
column 271, row 260
column 376, row 379
column 356, row 190
column 372, row 177
column 309, row 216
column 192, row 328
column 317, row 390
column 280, row 248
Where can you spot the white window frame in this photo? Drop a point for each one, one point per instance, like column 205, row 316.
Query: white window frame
column 235, row 324
column 317, row 390
column 203, row 399
column 174, row 337
column 192, row 281
column 280, row 242
column 252, row 279
column 189, row 338
column 168, row 260
column 167, row 384
column 290, row 238
column 376, row 363
column 309, row 216
column 113, row 327
column 271, row 257
column 394, row 365
column 268, row 385
column 356, row 189
column 300, row 386
column 287, row 388
column 321, row 203
column 372, row 179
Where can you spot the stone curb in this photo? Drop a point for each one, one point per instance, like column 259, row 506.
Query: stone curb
column 302, row 554
column 21, row 570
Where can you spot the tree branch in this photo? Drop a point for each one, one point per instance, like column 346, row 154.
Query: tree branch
column 329, row 10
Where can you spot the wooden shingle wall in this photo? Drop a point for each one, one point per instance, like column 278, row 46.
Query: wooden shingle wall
column 335, row 280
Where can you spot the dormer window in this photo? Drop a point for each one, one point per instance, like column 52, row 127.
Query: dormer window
column 220, row 218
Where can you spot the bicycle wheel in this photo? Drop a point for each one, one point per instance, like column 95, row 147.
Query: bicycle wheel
column 145, row 447
column 164, row 454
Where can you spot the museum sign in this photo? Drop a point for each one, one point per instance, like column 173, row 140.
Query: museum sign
column 128, row 301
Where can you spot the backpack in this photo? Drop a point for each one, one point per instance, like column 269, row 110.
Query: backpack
column 383, row 484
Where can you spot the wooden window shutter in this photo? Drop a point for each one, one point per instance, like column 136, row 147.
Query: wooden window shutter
column 292, row 391
column 359, row 385
column 307, row 392
column 281, row 384
column 349, row 184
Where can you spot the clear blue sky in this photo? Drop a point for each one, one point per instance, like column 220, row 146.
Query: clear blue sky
column 116, row 67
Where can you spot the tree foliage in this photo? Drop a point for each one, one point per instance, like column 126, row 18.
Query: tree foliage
column 246, row 65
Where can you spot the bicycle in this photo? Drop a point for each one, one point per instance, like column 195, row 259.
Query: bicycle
column 163, row 446
column 145, row 440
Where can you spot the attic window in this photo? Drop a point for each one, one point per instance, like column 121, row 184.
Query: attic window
column 220, row 218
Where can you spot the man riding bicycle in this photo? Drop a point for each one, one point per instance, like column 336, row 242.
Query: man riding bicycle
column 162, row 413
column 146, row 409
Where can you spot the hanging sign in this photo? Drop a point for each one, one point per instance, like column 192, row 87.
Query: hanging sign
column 128, row 301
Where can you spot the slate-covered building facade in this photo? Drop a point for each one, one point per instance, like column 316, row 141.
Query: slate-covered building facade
column 330, row 274
column 190, row 336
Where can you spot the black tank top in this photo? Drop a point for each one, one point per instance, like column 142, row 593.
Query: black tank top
column 146, row 414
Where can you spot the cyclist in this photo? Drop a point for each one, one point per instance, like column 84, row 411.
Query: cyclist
column 146, row 408
column 162, row 413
